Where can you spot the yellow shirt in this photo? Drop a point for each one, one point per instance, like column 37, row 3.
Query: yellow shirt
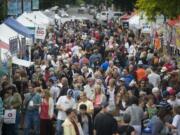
column 68, row 127
column 89, row 104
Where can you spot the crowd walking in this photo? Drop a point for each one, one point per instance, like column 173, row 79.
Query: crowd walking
column 93, row 79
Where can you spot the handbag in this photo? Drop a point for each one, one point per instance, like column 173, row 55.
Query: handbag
column 10, row 116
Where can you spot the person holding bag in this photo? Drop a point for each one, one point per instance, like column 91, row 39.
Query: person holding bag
column 12, row 101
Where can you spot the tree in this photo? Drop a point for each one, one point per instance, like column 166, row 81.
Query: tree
column 3, row 10
column 152, row 8
column 125, row 5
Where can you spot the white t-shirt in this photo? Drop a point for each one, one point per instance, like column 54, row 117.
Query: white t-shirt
column 132, row 50
column 176, row 123
column 154, row 79
column 65, row 103
column 89, row 91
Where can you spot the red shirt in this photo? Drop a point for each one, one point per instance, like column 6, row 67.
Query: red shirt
column 44, row 110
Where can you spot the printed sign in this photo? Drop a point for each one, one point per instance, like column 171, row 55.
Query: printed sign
column 10, row 116
column 40, row 33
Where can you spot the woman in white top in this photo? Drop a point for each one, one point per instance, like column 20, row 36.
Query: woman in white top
column 111, row 94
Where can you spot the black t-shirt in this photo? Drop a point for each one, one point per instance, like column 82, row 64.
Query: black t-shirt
column 125, row 130
column 105, row 124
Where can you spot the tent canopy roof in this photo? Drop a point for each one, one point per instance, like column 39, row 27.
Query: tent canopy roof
column 21, row 62
column 18, row 27
column 6, row 33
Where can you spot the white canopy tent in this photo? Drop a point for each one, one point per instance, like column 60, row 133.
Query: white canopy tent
column 137, row 21
column 24, row 20
column 6, row 33
column 21, row 62
column 134, row 22
column 34, row 19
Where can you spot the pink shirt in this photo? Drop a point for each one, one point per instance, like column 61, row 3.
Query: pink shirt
column 97, row 101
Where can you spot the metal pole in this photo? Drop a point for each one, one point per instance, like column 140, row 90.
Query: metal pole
column 29, row 53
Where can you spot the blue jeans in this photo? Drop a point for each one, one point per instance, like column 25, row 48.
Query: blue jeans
column 17, row 122
column 32, row 119
column 59, row 128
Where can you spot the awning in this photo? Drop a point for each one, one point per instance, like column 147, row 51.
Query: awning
column 18, row 27
column 21, row 62
column 3, row 45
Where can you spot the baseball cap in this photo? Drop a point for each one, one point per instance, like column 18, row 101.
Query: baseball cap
column 70, row 92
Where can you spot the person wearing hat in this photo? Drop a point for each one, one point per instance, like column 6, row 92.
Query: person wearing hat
column 172, row 97
column 104, row 122
column 64, row 103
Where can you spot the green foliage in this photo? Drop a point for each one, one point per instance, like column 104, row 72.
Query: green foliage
column 125, row 5
column 79, row 2
column 3, row 10
column 152, row 8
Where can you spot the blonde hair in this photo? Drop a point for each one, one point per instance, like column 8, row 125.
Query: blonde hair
column 47, row 93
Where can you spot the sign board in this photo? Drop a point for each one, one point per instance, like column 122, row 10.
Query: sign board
column 40, row 32
column 35, row 4
column 10, row 116
column 26, row 5
column 178, row 37
column 14, row 7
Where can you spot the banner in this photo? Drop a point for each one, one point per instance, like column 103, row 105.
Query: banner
column 178, row 37
column 14, row 7
column 35, row 4
column 40, row 32
column 13, row 45
column 26, row 5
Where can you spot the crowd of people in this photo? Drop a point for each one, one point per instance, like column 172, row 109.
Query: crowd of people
column 93, row 79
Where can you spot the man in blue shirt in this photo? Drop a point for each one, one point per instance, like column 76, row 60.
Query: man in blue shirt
column 31, row 104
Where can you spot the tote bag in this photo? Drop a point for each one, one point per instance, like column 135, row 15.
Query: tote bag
column 10, row 116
